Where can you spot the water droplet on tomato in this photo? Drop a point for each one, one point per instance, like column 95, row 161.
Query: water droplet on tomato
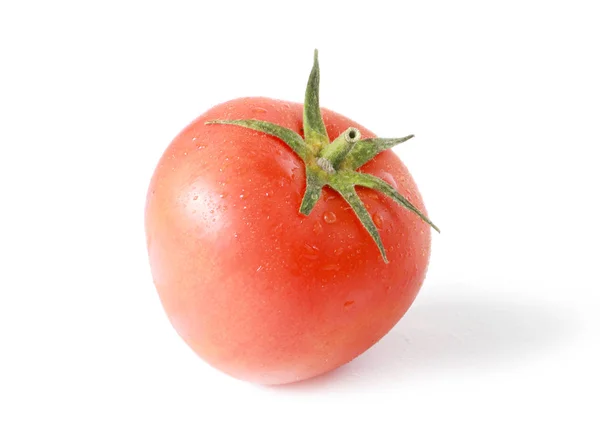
column 331, row 267
column 195, row 197
column 378, row 220
column 338, row 251
column 386, row 176
column 348, row 304
column 258, row 269
column 311, row 252
column 313, row 249
column 329, row 217
column 235, row 235
column 317, row 228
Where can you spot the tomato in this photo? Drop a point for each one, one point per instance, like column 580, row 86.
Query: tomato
column 257, row 289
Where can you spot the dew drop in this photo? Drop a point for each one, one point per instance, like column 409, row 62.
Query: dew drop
column 378, row 220
column 258, row 269
column 390, row 179
column 310, row 252
column 329, row 217
column 235, row 235
column 338, row 251
column 196, row 198
column 312, row 249
column 242, row 196
column 317, row 228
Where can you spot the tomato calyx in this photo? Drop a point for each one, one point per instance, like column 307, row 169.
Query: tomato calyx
column 334, row 164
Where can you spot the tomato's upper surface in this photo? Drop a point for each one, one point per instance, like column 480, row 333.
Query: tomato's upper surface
column 255, row 288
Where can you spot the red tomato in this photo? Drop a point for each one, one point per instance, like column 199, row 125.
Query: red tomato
column 257, row 289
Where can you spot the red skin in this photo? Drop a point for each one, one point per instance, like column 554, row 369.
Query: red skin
column 257, row 289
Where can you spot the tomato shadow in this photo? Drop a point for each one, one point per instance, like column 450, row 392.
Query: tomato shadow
column 451, row 333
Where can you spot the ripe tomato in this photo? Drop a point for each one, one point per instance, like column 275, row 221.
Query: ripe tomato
column 257, row 289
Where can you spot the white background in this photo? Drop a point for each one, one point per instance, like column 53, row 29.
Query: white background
column 504, row 98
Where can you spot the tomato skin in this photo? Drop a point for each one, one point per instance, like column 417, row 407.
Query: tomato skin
column 255, row 288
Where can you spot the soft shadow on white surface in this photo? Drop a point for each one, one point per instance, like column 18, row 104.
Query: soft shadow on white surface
column 443, row 334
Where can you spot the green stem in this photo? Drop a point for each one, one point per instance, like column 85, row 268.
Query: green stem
column 340, row 147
